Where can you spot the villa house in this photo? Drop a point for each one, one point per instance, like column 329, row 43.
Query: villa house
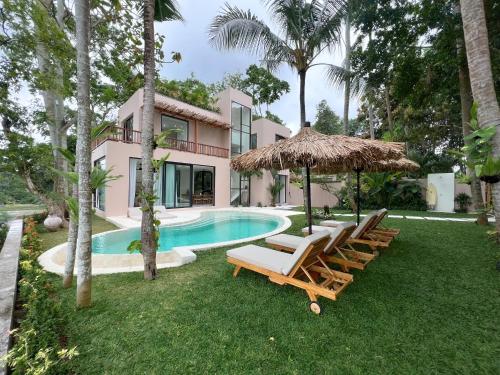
column 197, row 172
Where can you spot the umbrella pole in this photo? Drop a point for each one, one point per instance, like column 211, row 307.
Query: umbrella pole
column 309, row 209
column 358, row 208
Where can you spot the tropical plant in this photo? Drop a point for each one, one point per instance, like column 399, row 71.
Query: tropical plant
column 327, row 121
column 305, row 30
column 464, row 201
column 275, row 187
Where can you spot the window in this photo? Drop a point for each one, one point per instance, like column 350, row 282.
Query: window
column 241, row 123
column 253, row 141
column 278, row 137
column 128, row 130
column 180, row 127
column 99, row 193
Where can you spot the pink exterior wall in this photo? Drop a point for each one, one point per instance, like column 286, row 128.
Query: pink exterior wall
column 266, row 131
column 117, row 154
column 319, row 197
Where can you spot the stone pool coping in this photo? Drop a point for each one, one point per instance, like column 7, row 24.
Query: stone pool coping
column 53, row 260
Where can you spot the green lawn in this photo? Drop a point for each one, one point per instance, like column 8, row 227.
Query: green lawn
column 428, row 305
column 51, row 239
column 20, row 207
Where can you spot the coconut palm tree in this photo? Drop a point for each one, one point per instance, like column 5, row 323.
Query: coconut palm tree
column 83, row 155
column 481, row 78
column 154, row 10
column 304, row 30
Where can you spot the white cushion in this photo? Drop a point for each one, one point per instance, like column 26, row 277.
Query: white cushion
column 286, row 240
column 306, row 241
column 362, row 227
column 330, row 223
column 318, row 228
column 261, row 257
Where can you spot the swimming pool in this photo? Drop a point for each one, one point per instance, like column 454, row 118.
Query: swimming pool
column 211, row 227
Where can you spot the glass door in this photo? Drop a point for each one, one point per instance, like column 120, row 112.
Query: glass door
column 177, row 185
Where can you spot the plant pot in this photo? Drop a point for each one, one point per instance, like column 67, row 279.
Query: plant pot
column 52, row 223
column 490, row 179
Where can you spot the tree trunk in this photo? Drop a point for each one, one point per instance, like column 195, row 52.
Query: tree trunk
column 388, row 107
column 302, row 101
column 481, row 78
column 371, row 119
column 54, row 103
column 83, row 155
column 69, row 265
column 466, row 106
column 148, row 241
column 347, row 66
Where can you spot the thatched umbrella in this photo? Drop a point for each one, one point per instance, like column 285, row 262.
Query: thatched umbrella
column 313, row 150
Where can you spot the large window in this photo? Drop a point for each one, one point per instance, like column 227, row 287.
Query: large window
column 241, row 118
column 99, row 193
column 179, row 127
column 281, row 195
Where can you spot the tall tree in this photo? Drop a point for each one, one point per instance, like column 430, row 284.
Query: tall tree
column 327, row 121
column 83, row 155
column 305, row 29
column 159, row 10
column 481, row 78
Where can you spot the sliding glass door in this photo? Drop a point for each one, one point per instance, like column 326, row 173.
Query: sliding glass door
column 178, row 184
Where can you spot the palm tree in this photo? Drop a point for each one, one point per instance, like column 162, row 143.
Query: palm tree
column 306, row 29
column 481, row 78
column 154, row 10
column 83, row 155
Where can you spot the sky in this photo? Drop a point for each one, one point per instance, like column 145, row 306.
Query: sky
column 208, row 64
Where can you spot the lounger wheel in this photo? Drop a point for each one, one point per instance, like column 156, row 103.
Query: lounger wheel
column 315, row 307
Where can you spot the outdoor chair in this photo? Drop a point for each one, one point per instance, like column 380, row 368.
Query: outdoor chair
column 305, row 268
column 361, row 235
column 376, row 228
column 335, row 251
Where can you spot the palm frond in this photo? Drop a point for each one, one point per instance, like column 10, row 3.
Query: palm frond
column 337, row 76
column 167, row 10
column 99, row 178
column 234, row 28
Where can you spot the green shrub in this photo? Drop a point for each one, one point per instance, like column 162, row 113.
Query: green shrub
column 4, row 228
column 464, row 201
column 38, row 347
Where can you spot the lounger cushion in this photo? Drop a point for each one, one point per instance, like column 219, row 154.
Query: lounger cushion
column 330, row 223
column 261, row 257
column 318, row 228
column 362, row 226
column 304, row 244
column 285, row 240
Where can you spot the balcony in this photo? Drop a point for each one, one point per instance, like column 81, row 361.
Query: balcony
column 117, row 134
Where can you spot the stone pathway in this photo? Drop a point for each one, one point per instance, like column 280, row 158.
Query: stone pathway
column 9, row 260
column 430, row 218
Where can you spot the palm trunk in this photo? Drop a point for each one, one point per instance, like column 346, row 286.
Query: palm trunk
column 347, row 87
column 83, row 155
column 388, row 107
column 302, row 101
column 148, row 241
column 69, row 265
column 466, row 106
column 481, row 77
column 371, row 119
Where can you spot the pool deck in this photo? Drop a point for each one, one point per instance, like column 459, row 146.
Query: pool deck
column 53, row 260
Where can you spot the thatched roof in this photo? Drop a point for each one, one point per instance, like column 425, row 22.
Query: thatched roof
column 323, row 153
column 400, row 165
column 188, row 111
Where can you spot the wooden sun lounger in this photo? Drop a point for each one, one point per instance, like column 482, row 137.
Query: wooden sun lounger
column 335, row 252
column 305, row 268
column 361, row 235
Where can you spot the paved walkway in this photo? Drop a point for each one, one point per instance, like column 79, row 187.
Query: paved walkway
column 430, row 218
column 9, row 261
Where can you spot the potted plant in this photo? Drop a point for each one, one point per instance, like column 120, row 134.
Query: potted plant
column 464, row 201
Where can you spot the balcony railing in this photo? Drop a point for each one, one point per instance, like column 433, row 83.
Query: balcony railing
column 124, row 135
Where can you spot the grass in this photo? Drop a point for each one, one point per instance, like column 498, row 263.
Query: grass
column 51, row 239
column 20, row 207
column 428, row 305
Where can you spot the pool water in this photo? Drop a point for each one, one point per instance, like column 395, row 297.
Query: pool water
column 216, row 226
